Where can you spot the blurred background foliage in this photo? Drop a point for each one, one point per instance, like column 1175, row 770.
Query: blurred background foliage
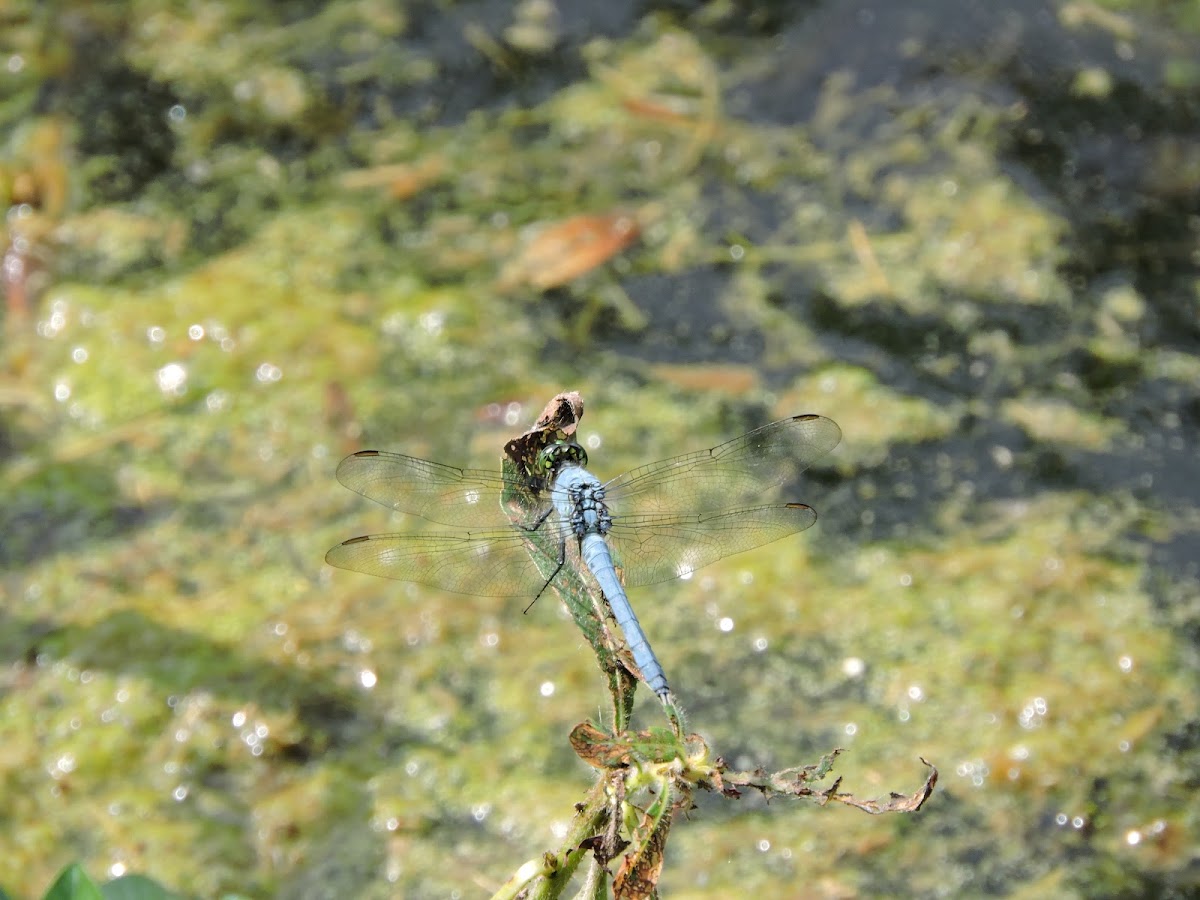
column 244, row 239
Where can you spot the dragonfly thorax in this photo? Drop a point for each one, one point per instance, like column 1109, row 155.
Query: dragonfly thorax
column 579, row 498
column 589, row 513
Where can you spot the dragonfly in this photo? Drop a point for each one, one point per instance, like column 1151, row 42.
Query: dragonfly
column 657, row 522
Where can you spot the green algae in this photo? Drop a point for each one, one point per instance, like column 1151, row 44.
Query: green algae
column 187, row 692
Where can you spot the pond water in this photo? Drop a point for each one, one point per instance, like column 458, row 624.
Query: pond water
column 244, row 241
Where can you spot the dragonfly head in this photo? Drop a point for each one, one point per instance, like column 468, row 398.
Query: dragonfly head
column 549, row 458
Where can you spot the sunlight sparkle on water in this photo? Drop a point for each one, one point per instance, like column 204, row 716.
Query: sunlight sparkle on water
column 433, row 322
column 1063, row 820
column 1032, row 714
column 975, row 770
column 355, row 641
column 172, row 379
column 1135, row 836
column 547, row 689
column 64, row 765
column 221, row 336
column 268, row 373
column 216, row 401
column 56, row 322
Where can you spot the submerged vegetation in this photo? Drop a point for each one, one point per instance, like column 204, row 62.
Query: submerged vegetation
column 242, row 242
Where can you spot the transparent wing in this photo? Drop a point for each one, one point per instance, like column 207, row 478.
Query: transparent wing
column 497, row 563
column 457, row 497
column 658, row 548
column 725, row 476
column 671, row 517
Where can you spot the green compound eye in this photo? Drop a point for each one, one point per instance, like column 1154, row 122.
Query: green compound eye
column 549, row 458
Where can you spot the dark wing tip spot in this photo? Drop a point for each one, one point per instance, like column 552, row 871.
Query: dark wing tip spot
column 803, row 506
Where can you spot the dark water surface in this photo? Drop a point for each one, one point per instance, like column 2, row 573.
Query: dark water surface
column 244, row 240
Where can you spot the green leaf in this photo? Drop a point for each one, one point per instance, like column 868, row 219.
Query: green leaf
column 136, row 887
column 73, row 884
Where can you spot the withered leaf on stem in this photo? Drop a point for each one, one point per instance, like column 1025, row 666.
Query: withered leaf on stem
column 639, row 872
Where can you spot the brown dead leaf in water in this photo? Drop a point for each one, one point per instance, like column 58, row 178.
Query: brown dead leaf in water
column 732, row 379
column 36, row 172
column 562, row 251
column 662, row 110
column 860, row 243
column 399, row 180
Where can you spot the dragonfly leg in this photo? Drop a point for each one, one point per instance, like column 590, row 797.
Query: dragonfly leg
column 538, row 522
column 562, row 561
